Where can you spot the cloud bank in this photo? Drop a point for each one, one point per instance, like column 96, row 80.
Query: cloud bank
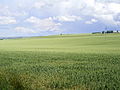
column 37, row 16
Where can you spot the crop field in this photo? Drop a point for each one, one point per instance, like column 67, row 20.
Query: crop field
column 61, row 62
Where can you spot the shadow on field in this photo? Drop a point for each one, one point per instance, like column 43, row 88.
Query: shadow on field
column 14, row 81
column 10, row 81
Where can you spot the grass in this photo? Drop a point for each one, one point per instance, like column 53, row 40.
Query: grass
column 67, row 62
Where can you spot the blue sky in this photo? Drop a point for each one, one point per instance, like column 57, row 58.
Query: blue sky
column 48, row 17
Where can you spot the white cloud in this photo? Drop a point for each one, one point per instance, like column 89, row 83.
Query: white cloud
column 7, row 20
column 19, row 13
column 91, row 21
column 58, row 11
column 63, row 9
column 93, row 8
column 114, row 7
column 67, row 18
column 24, row 30
column 39, row 4
column 105, row 12
column 5, row 11
column 46, row 24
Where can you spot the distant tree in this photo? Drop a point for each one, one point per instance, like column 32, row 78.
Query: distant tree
column 109, row 32
column 103, row 32
column 61, row 34
column 117, row 31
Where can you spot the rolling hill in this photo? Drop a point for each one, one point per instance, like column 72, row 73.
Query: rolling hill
column 61, row 62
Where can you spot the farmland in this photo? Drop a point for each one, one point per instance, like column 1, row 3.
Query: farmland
column 61, row 62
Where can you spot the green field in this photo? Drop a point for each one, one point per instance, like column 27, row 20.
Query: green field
column 67, row 62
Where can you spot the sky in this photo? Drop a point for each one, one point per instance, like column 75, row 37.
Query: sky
column 50, row 17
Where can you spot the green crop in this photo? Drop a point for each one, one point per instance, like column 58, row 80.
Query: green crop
column 67, row 62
